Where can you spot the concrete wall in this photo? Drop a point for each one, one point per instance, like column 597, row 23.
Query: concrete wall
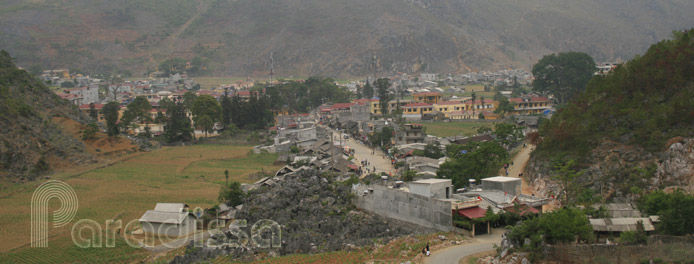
column 666, row 248
column 405, row 206
column 170, row 230
column 511, row 187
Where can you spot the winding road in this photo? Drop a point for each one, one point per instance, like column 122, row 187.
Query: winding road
column 452, row 255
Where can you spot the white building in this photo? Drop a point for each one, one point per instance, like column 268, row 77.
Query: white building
column 434, row 188
column 168, row 219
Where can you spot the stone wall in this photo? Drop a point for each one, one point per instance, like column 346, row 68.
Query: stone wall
column 405, row 206
column 666, row 248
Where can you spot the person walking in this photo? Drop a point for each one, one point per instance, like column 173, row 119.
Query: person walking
column 428, row 252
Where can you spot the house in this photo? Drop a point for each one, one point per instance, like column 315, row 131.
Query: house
column 463, row 115
column 472, row 213
column 426, row 167
column 427, row 77
column 613, row 227
column 411, row 133
column 414, row 111
column 428, row 97
column 481, row 105
column 88, row 94
column 448, row 107
column 435, row 115
column 168, row 219
column 488, row 115
column 530, row 105
column 434, row 188
column 509, row 185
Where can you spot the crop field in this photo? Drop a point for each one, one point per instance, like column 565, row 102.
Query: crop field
column 449, row 129
column 124, row 191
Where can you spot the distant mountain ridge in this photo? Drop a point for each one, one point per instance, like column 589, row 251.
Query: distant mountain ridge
column 331, row 37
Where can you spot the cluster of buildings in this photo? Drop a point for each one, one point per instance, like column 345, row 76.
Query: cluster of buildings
column 433, row 106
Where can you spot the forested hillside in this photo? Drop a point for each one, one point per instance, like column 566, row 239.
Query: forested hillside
column 632, row 129
column 32, row 144
column 338, row 38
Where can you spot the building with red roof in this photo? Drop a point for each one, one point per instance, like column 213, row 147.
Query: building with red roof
column 530, row 105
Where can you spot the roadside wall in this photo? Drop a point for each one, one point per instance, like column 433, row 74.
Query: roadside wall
column 666, row 248
column 405, row 206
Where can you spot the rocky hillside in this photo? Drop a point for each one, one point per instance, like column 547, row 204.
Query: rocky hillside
column 316, row 215
column 630, row 131
column 32, row 144
column 330, row 37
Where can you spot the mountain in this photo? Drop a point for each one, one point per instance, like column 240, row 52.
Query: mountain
column 33, row 142
column 330, row 37
column 629, row 131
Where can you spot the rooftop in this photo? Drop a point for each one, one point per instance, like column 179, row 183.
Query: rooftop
column 432, row 181
column 501, row 179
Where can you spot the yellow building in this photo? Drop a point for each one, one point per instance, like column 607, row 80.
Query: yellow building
column 530, row 105
column 463, row 115
column 417, row 109
column 430, row 97
column 392, row 105
column 479, row 105
column 448, row 107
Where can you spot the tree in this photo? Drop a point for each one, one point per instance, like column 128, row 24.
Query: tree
column 160, row 118
column 89, row 132
column 189, row 99
column 231, row 195
column 137, row 112
column 505, row 105
column 173, row 66
column 564, row 75
column 473, row 97
column 409, row 175
column 384, row 96
column 226, row 110
column 178, row 124
column 507, row 134
column 206, row 112
column 430, row 151
column 368, row 90
column 92, row 111
column 383, row 137
column 675, row 211
column 566, row 176
column 476, row 160
column 110, row 112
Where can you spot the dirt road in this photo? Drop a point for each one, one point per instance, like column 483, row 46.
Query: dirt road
column 362, row 152
column 454, row 254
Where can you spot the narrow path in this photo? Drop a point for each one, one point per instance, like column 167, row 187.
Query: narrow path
column 201, row 9
column 454, row 254
column 520, row 161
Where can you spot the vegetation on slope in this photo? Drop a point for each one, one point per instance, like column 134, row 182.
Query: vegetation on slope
column 31, row 142
column 645, row 102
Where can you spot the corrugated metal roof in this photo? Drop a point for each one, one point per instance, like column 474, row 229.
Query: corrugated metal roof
column 170, row 207
column 153, row 216
column 620, row 224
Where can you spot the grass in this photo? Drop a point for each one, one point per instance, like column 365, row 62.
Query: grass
column 125, row 191
column 441, row 129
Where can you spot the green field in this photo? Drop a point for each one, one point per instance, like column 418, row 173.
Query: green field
column 441, row 129
column 124, row 191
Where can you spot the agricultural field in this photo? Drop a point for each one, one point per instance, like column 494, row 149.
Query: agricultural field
column 124, row 191
column 449, row 129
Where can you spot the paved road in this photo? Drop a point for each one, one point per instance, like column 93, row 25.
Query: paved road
column 454, row 254
column 362, row 152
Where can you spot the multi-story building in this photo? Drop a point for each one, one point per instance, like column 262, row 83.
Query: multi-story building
column 430, row 97
column 530, row 105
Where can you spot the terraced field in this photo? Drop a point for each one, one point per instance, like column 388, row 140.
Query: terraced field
column 124, row 191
